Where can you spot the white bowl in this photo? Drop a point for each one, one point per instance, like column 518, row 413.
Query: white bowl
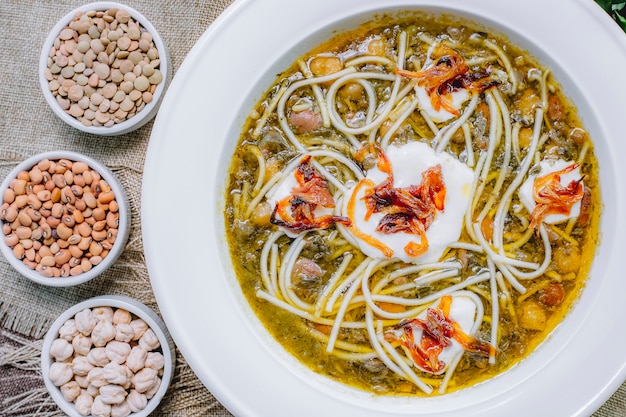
column 123, row 224
column 136, row 308
column 252, row 375
column 140, row 118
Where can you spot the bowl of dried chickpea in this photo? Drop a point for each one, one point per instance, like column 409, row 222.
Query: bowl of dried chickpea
column 103, row 69
column 108, row 355
column 65, row 218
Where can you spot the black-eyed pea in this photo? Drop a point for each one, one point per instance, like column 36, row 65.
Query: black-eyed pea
column 50, row 185
column 24, row 218
column 35, row 175
column 9, row 196
column 88, row 177
column 112, row 219
column 34, row 215
column 36, row 188
column 44, row 195
column 62, row 257
column 10, row 213
column 98, row 235
column 44, row 270
column 77, row 270
column 99, row 213
column 78, row 216
column 112, row 235
column 106, row 197
column 46, row 230
column 77, row 190
column 23, row 175
column 45, row 209
column 99, row 225
column 11, row 239
column 37, row 245
column 47, row 176
column 80, row 205
column 54, row 247
column 55, row 195
column 19, row 186
column 79, row 167
column 85, row 242
column 69, row 177
column 57, row 210
column 90, row 200
column 21, row 201
column 23, row 232
column 6, row 229
column 95, row 249
column 48, row 261
column 95, row 260
column 63, row 244
column 43, row 165
column 114, row 206
column 95, row 188
column 63, row 165
column 84, row 229
column 104, row 186
column 58, row 180
column 63, row 231
column 36, row 234
column 30, row 254
column 45, row 251
column 27, row 243
column 65, row 270
column 67, row 196
column 18, row 251
column 53, row 221
column 69, row 220
column 79, row 180
column 74, row 239
column 29, row 264
column 34, row 201
column 75, row 251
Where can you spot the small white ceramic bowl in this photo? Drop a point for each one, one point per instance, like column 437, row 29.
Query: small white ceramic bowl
column 141, row 117
column 115, row 302
column 123, row 226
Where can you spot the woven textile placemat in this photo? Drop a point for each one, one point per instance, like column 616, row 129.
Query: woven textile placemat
column 28, row 127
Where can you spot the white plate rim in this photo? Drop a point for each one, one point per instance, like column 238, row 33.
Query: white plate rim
column 218, row 355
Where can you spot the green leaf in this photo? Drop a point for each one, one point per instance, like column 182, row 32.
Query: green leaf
column 616, row 9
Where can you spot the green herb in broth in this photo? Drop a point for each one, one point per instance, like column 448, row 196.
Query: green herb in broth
column 435, row 315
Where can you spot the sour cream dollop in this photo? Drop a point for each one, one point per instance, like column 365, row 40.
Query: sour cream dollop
column 408, row 162
column 547, row 167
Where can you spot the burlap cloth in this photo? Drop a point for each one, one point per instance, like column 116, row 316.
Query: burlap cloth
column 28, row 127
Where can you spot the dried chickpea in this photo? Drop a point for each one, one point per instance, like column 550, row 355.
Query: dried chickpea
column 115, row 379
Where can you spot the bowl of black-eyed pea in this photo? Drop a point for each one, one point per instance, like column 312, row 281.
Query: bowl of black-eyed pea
column 65, row 218
column 104, row 68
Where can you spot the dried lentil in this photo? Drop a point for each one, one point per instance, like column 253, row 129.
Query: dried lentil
column 88, row 63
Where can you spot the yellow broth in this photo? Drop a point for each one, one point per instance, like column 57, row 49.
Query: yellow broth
column 524, row 320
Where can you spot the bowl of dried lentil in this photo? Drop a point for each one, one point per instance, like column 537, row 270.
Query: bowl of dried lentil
column 104, row 68
column 65, row 218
